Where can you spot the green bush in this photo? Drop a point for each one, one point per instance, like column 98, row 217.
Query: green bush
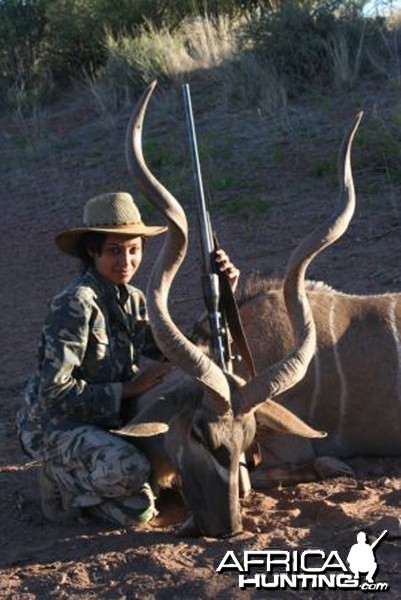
column 297, row 38
column 76, row 29
column 22, row 25
column 380, row 144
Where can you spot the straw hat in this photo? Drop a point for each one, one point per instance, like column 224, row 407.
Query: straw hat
column 108, row 213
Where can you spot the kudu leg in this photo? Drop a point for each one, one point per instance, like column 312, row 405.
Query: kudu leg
column 287, row 474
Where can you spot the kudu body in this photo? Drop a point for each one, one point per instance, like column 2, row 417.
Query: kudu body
column 195, row 427
column 352, row 388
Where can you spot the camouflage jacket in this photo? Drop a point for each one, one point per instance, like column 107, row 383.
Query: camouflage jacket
column 91, row 343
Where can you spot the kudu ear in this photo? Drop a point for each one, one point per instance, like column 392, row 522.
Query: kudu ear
column 280, row 419
column 141, row 429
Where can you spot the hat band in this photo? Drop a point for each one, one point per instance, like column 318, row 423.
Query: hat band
column 119, row 224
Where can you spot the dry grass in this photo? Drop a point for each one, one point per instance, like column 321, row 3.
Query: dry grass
column 346, row 67
column 201, row 47
column 197, row 44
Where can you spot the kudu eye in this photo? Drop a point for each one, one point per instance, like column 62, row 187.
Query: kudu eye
column 220, row 453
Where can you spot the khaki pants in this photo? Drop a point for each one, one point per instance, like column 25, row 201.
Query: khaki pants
column 99, row 471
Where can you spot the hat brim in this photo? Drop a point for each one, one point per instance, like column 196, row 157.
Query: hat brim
column 68, row 240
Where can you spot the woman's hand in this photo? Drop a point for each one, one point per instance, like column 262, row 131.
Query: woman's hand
column 146, row 380
column 226, row 266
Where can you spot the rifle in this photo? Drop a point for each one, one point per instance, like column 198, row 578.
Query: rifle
column 219, row 299
column 213, row 282
column 210, row 277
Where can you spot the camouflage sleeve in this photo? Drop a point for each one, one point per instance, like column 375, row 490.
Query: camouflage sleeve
column 63, row 393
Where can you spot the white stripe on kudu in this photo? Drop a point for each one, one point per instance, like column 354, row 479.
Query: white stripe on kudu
column 337, row 360
column 394, row 330
column 316, row 385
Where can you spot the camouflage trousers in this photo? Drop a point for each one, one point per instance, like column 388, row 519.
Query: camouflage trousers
column 98, row 471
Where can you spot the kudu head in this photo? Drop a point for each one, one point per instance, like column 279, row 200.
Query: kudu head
column 210, row 428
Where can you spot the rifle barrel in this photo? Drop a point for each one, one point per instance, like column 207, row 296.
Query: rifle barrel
column 207, row 238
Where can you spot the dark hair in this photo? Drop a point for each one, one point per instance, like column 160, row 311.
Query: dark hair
column 93, row 240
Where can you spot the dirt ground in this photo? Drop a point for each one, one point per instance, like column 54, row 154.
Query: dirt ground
column 91, row 560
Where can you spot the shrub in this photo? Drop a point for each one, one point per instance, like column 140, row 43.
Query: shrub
column 307, row 42
column 380, row 143
column 22, row 25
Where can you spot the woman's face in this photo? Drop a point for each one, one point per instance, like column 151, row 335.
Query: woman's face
column 120, row 258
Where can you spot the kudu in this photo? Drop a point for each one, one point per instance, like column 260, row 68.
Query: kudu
column 195, row 427
column 352, row 388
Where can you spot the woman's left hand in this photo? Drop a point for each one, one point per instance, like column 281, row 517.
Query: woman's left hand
column 226, row 266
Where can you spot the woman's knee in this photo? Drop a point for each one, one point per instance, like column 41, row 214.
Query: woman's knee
column 99, row 460
column 120, row 468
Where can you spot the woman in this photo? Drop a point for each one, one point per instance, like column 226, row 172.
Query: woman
column 88, row 372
